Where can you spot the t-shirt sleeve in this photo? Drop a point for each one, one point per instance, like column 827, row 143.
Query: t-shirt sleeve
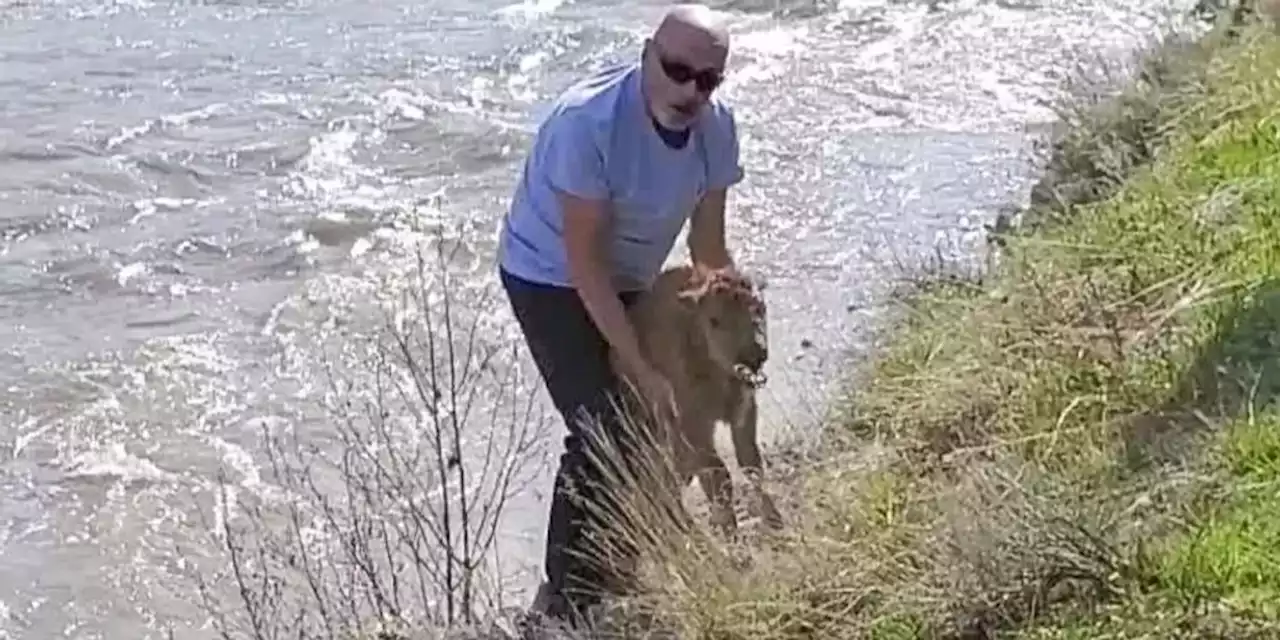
column 724, row 165
column 571, row 158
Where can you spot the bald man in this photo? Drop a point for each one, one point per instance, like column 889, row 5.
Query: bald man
column 625, row 158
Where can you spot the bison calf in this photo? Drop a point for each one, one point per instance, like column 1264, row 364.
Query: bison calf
column 705, row 331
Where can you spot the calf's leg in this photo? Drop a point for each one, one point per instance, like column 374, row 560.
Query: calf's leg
column 746, row 449
column 713, row 476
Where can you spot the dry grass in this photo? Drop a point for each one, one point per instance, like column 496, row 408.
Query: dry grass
column 1026, row 459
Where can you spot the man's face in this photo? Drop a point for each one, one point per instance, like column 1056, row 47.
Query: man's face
column 682, row 74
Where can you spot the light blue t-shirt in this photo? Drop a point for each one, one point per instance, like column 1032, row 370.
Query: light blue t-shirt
column 599, row 142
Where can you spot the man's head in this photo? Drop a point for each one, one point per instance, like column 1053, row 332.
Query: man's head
column 729, row 315
column 683, row 62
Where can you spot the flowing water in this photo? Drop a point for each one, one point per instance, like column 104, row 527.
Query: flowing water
column 197, row 197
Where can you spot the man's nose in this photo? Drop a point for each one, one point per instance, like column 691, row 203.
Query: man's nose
column 688, row 90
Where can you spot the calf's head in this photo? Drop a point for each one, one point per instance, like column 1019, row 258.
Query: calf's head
column 729, row 319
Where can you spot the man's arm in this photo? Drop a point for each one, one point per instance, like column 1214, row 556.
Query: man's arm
column 585, row 225
column 576, row 172
column 707, row 246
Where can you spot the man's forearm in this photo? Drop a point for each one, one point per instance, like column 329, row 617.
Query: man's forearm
column 715, row 257
column 707, row 246
column 610, row 317
column 586, row 221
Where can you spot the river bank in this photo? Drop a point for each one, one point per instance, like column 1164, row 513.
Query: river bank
column 1082, row 441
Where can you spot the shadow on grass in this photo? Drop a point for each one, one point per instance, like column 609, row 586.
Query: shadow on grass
column 1237, row 371
column 1212, row 456
column 1235, row 374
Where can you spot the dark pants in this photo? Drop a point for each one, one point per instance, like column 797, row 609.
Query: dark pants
column 572, row 358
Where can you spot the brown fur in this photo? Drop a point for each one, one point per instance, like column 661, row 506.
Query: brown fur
column 694, row 327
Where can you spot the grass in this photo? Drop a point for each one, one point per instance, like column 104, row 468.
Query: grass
column 1086, row 443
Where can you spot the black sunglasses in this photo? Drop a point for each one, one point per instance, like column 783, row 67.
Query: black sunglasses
column 680, row 73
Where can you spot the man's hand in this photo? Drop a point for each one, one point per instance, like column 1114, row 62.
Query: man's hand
column 658, row 392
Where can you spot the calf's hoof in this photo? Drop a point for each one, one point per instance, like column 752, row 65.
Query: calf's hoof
column 724, row 522
column 770, row 516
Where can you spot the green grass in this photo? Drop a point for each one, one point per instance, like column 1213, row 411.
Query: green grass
column 1220, row 577
column 1232, row 556
column 1084, row 445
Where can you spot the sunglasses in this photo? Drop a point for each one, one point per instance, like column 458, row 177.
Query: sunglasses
column 680, row 73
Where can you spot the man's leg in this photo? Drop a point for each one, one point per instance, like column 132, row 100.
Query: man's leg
column 572, row 358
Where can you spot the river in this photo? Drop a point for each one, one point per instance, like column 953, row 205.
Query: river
column 197, row 199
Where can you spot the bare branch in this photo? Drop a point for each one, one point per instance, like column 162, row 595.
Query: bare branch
column 388, row 515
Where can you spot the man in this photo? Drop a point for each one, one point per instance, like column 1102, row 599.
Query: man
column 624, row 159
